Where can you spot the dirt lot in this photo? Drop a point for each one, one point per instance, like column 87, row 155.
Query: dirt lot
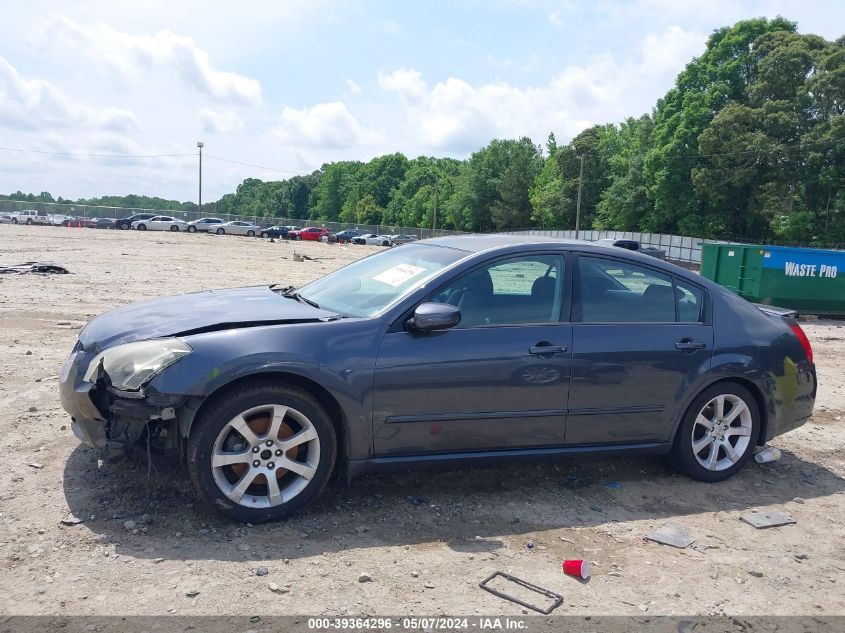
column 154, row 549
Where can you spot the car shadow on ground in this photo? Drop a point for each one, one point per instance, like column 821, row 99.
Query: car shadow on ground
column 470, row 510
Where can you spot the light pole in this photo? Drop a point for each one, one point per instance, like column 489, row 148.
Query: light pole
column 434, row 223
column 199, row 145
column 578, row 206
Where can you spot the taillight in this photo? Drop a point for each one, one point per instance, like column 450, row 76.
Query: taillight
column 802, row 338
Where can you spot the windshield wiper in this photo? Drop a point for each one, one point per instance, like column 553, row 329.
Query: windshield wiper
column 295, row 295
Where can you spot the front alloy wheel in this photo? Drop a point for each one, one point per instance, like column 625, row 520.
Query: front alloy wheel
column 262, row 452
column 717, row 435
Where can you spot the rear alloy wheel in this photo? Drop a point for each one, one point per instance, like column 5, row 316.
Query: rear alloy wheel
column 262, row 452
column 174, row 229
column 263, row 234
column 718, row 433
column 220, row 231
column 142, row 227
column 250, row 233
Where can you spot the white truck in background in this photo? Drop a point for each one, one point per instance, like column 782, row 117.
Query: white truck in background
column 31, row 216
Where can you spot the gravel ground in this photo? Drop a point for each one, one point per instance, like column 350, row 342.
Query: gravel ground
column 424, row 539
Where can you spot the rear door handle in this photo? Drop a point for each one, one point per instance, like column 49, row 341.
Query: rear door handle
column 543, row 350
column 690, row 344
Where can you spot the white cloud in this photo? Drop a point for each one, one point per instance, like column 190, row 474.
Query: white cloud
column 408, row 84
column 34, row 104
column 219, row 121
column 556, row 18
column 325, row 125
column 664, row 53
column 457, row 116
column 127, row 54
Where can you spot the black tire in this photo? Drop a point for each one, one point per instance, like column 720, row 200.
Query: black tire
column 192, row 229
column 122, row 226
column 142, row 227
column 224, row 408
column 14, row 220
column 220, row 232
column 683, row 458
column 263, row 234
column 174, row 229
column 250, row 233
column 299, row 237
column 385, row 243
column 29, row 221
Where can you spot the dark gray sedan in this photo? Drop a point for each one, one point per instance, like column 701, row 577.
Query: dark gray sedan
column 456, row 348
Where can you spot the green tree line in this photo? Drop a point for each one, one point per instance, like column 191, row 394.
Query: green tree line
column 748, row 144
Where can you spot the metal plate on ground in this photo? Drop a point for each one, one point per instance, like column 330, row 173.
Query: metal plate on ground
column 671, row 535
column 522, row 591
column 767, row 519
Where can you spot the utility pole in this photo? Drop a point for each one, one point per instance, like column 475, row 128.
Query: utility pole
column 578, row 205
column 434, row 225
column 199, row 145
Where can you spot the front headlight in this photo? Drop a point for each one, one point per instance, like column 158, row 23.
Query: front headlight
column 132, row 365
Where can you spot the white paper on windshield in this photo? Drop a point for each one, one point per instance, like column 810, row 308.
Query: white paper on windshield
column 398, row 275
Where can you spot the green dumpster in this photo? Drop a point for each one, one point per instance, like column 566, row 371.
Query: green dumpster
column 808, row 280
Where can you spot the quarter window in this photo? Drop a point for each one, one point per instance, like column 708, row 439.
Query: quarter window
column 509, row 292
column 690, row 302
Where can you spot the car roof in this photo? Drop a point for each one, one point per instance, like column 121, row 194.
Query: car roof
column 476, row 243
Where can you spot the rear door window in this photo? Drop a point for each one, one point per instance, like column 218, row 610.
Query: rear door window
column 616, row 291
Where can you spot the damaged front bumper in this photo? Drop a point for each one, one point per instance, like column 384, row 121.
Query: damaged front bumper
column 108, row 419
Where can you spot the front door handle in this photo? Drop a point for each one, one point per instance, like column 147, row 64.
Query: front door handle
column 690, row 344
column 544, row 350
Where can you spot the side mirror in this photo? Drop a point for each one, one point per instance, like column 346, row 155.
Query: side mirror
column 430, row 317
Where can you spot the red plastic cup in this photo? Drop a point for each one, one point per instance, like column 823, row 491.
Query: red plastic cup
column 580, row 568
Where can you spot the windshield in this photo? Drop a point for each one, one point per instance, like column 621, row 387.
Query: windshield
column 369, row 285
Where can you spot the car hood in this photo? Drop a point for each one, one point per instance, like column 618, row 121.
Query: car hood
column 195, row 313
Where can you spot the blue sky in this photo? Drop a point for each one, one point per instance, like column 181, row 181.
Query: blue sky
column 291, row 85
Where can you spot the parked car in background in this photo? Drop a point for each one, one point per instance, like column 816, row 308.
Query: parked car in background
column 236, row 227
column 160, row 223
column 126, row 223
column 372, row 239
column 312, row 233
column 396, row 240
column 88, row 223
column 105, row 223
column 633, row 245
column 455, row 349
column 275, row 232
column 5, row 218
column 202, row 224
column 342, row 237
